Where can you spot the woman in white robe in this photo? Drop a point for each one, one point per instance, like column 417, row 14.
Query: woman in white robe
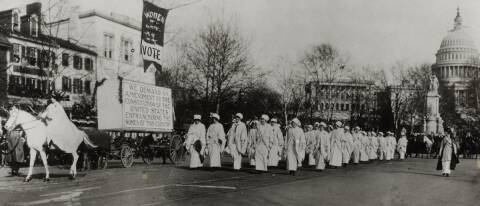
column 237, row 135
column 310, row 137
column 346, row 146
column 322, row 147
column 196, row 132
column 448, row 154
column 215, row 141
column 356, row 145
column 263, row 144
column 252, row 137
column 365, row 142
column 402, row 146
column 336, row 146
column 275, row 152
column 295, row 145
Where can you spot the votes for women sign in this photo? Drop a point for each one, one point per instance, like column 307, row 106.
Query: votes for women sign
column 153, row 29
column 147, row 107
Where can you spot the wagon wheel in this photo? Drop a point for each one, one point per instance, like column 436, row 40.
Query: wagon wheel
column 126, row 156
column 147, row 155
column 102, row 162
column 176, row 151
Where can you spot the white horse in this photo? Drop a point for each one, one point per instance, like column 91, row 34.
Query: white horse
column 36, row 135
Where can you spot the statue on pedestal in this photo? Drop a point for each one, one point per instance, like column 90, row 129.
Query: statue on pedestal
column 434, row 123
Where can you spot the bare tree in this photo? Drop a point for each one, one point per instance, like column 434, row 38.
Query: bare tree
column 324, row 63
column 220, row 55
column 289, row 84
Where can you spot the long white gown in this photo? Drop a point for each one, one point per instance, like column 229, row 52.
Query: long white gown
column 323, row 143
column 263, row 144
column 275, row 152
column 336, row 147
column 215, row 133
column 195, row 132
column 237, row 135
column 295, row 144
column 402, row 146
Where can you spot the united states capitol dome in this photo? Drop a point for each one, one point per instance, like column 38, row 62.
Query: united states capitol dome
column 458, row 46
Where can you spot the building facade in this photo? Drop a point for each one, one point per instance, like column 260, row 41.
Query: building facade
column 457, row 63
column 343, row 100
column 39, row 64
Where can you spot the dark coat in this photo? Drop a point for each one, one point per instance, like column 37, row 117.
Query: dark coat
column 453, row 162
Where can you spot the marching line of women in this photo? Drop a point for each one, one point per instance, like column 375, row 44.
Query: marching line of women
column 264, row 144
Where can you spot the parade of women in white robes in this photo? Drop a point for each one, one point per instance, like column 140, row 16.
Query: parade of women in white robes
column 263, row 144
column 295, row 145
column 196, row 132
column 276, row 149
column 336, row 146
column 215, row 141
column 237, row 135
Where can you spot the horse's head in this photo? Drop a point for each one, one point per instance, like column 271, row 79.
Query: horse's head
column 12, row 120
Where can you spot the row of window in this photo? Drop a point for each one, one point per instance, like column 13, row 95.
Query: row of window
column 341, row 107
column 77, row 87
column 78, row 62
column 126, row 48
column 42, row 58
column 456, row 56
column 28, row 87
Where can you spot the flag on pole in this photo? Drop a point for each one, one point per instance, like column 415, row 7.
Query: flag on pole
column 153, row 29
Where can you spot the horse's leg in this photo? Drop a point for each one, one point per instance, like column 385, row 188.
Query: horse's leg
column 43, row 155
column 33, row 156
column 73, row 168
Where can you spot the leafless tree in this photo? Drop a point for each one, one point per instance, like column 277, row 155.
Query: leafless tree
column 220, row 56
column 324, row 63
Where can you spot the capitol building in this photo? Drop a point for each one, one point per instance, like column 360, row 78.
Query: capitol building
column 457, row 64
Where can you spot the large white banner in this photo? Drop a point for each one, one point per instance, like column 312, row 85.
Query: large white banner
column 147, row 107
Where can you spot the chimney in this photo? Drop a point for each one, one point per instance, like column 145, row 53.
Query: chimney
column 74, row 30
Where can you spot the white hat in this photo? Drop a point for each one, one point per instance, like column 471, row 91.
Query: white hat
column 310, row 126
column 338, row 123
column 323, row 124
column 239, row 115
column 265, row 117
column 357, row 127
column 215, row 115
column 316, row 124
column 296, row 121
column 381, row 133
column 373, row 133
column 197, row 117
column 273, row 120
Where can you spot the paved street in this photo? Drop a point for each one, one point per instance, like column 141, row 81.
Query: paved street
column 411, row 182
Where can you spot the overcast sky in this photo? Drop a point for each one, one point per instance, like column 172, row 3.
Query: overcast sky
column 371, row 32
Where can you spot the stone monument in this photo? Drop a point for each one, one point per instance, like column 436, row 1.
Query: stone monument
column 434, row 123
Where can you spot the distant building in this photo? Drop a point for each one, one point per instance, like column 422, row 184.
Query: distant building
column 40, row 64
column 457, row 63
column 345, row 100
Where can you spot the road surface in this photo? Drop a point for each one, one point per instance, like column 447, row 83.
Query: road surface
column 409, row 182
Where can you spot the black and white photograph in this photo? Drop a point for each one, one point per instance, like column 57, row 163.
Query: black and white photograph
column 240, row 102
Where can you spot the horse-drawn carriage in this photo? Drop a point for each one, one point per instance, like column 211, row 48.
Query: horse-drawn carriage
column 128, row 146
